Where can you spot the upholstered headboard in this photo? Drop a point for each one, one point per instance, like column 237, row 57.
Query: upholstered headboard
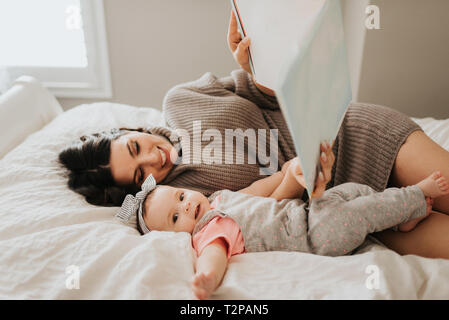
column 25, row 108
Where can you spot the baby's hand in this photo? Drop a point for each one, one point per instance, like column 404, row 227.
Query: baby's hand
column 286, row 165
column 327, row 159
column 294, row 169
column 204, row 285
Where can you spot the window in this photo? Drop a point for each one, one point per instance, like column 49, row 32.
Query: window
column 60, row 42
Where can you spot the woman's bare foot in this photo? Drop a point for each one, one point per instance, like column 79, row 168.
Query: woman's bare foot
column 433, row 186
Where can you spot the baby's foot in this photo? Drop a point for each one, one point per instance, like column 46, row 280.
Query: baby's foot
column 410, row 225
column 434, row 186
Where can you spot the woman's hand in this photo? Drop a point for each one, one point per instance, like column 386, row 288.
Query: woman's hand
column 238, row 46
column 239, row 49
column 327, row 159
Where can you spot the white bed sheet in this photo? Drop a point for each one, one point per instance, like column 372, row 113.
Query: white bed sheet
column 46, row 228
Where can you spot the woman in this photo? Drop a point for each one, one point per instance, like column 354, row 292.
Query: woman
column 375, row 146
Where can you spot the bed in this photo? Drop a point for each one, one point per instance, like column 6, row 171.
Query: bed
column 56, row 246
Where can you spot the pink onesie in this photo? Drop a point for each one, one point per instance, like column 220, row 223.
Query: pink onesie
column 218, row 227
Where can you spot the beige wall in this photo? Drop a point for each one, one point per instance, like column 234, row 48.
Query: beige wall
column 353, row 12
column 406, row 62
column 155, row 44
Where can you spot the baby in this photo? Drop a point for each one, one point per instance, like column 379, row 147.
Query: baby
column 269, row 216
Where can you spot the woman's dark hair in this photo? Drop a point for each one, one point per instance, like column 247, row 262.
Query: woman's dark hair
column 89, row 172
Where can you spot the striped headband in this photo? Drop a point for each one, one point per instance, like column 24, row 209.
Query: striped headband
column 132, row 205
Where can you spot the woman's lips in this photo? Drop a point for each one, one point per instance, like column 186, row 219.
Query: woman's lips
column 165, row 156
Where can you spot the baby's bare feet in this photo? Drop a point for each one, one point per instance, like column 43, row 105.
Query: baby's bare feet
column 434, row 186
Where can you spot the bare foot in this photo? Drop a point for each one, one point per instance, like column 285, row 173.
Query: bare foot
column 410, row 225
column 434, row 186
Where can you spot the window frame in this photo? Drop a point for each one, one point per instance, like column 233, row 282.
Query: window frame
column 94, row 81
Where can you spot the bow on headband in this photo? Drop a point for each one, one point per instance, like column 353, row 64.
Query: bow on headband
column 132, row 205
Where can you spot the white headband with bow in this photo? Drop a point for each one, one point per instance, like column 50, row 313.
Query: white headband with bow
column 132, row 205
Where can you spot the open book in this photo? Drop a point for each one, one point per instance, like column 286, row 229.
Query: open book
column 298, row 50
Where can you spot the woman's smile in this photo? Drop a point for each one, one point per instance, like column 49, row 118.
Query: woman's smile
column 165, row 156
column 135, row 156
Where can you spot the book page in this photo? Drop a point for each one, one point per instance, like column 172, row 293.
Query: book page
column 273, row 27
column 313, row 88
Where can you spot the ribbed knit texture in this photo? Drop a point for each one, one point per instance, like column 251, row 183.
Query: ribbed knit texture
column 365, row 148
column 367, row 144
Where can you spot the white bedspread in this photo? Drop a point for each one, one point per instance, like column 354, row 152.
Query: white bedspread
column 46, row 228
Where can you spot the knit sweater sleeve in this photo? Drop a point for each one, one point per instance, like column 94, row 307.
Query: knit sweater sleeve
column 180, row 101
column 242, row 84
column 210, row 105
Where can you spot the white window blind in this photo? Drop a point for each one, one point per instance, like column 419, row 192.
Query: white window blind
column 60, row 42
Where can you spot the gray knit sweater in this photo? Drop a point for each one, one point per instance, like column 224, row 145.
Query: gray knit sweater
column 365, row 148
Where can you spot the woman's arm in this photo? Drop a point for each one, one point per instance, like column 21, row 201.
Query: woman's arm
column 194, row 100
column 210, row 269
column 239, row 49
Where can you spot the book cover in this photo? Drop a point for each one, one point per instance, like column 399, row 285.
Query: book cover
column 301, row 54
column 273, row 26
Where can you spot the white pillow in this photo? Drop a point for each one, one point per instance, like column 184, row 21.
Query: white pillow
column 437, row 130
column 25, row 108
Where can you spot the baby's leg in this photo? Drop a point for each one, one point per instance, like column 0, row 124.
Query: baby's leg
column 433, row 186
column 340, row 221
column 410, row 225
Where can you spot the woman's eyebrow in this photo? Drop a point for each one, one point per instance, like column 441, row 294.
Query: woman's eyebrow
column 132, row 155
column 129, row 149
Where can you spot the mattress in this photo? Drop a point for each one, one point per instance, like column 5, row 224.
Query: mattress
column 54, row 245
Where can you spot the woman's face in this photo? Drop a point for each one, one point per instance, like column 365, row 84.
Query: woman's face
column 136, row 155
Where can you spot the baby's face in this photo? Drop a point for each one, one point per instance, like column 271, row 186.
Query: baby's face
column 174, row 209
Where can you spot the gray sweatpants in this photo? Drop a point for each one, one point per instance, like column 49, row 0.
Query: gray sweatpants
column 340, row 220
